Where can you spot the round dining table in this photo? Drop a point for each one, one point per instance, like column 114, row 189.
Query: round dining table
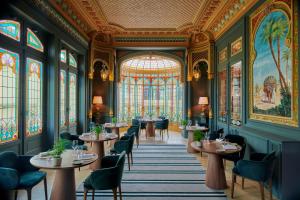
column 64, row 181
column 150, row 126
column 115, row 127
column 98, row 146
column 215, row 173
column 191, row 130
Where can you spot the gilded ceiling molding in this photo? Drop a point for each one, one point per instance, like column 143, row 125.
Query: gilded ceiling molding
column 57, row 18
column 66, row 9
column 229, row 15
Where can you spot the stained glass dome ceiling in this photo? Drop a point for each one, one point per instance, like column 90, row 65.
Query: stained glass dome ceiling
column 150, row 63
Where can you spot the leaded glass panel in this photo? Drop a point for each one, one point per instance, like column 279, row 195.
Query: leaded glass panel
column 72, row 99
column 33, row 41
column 10, row 29
column 34, row 97
column 62, row 100
column 9, row 77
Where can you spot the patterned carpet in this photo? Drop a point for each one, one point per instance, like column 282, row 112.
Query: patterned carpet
column 162, row 171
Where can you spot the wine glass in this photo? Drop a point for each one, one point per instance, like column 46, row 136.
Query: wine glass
column 75, row 146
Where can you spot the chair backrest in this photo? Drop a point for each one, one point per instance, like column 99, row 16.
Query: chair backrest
column 269, row 159
column 65, row 135
column 240, row 140
column 9, row 159
column 135, row 122
column 166, row 123
column 213, row 136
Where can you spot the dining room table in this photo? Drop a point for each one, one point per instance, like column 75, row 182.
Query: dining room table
column 150, row 125
column 191, row 138
column 98, row 145
column 115, row 127
column 64, row 181
column 215, row 172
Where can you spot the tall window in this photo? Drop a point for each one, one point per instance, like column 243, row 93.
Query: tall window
column 10, row 88
column 68, row 91
column 9, row 77
column 34, row 97
column 150, row 86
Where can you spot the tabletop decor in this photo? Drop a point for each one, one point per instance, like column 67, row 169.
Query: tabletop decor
column 56, row 152
column 198, row 136
column 114, row 120
column 98, row 130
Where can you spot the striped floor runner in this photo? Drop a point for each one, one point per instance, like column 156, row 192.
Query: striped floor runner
column 163, row 172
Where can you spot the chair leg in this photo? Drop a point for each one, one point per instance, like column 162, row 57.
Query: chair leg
column 128, row 159
column 261, row 186
column 232, row 184
column 78, row 168
column 243, row 181
column 93, row 195
column 45, row 188
column 16, row 194
column 28, row 193
column 131, row 158
column 115, row 193
column 120, row 192
column 270, row 188
column 85, row 194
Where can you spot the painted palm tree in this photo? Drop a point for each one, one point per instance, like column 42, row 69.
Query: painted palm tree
column 286, row 56
column 273, row 31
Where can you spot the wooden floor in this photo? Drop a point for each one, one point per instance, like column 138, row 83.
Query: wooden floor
column 250, row 192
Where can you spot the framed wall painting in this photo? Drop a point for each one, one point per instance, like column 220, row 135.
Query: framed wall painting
column 236, row 46
column 273, row 67
column 223, row 55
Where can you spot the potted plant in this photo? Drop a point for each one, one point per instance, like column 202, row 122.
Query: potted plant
column 198, row 136
column 114, row 120
column 57, row 150
column 97, row 131
column 184, row 132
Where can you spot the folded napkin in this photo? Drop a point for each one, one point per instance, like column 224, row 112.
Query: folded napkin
column 229, row 147
column 44, row 154
column 87, row 156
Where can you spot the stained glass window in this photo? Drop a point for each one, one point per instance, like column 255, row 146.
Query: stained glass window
column 72, row 61
column 222, row 94
column 9, row 70
column 236, row 93
column 150, row 85
column 33, row 41
column 10, row 29
column 34, row 97
column 62, row 121
column 63, row 56
column 72, row 99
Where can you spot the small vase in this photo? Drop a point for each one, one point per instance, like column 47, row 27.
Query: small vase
column 198, row 144
column 57, row 161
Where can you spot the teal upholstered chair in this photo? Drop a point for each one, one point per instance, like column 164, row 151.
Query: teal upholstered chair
column 108, row 177
column 259, row 168
column 125, row 144
column 240, row 140
column 69, row 138
column 134, row 129
column 16, row 173
column 162, row 125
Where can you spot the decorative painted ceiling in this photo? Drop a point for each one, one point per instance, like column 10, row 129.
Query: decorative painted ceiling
column 128, row 21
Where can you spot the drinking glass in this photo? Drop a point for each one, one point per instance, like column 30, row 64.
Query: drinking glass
column 75, row 146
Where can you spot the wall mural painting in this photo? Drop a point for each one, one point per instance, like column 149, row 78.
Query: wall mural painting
column 272, row 64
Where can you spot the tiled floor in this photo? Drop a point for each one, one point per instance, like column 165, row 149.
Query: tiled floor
column 251, row 191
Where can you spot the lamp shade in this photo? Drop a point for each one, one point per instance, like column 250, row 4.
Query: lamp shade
column 203, row 101
column 97, row 100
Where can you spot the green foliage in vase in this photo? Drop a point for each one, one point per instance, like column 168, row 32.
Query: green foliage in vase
column 98, row 129
column 114, row 120
column 58, row 148
column 184, row 122
column 198, row 135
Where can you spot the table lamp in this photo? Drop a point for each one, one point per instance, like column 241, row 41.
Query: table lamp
column 203, row 101
column 97, row 101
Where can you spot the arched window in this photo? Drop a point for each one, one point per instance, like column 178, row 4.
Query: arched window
column 33, row 41
column 34, row 114
column 72, row 61
column 150, row 86
column 10, row 29
column 9, row 77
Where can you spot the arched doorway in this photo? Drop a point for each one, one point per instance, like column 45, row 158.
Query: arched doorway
column 150, row 85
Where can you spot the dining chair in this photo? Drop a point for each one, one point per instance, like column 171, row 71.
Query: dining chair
column 70, row 137
column 240, row 140
column 125, row 144
column 16, row 173
column 108, row 177
column 259, row 169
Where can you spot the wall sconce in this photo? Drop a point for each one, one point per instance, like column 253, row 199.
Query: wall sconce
column 97, row 101
column 104, row 72
column 197, row 72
